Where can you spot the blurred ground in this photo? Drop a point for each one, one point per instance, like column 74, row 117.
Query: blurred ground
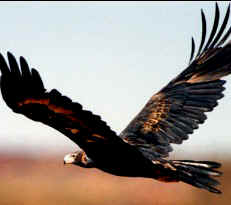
column 26, row 180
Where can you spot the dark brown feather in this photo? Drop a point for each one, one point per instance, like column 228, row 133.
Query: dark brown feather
column 24, row 93
column 177, row 109
column 168, row 117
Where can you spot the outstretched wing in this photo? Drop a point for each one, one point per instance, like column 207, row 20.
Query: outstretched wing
column 177, row 109
column 24, row 92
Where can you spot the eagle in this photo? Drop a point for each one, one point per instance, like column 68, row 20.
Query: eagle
column 169, row 117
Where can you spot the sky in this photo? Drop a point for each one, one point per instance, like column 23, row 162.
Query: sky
column 111, row 57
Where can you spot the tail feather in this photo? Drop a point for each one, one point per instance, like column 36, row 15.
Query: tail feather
column 198, row 173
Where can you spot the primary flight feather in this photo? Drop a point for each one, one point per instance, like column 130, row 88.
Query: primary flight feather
column 141, row 149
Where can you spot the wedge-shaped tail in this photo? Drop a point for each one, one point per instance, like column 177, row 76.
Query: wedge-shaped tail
column 197, row 173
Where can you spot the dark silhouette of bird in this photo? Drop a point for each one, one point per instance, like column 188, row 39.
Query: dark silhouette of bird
column 141, row 150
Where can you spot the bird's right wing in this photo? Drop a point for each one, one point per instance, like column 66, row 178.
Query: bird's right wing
column 24, row 92
column 177, row 109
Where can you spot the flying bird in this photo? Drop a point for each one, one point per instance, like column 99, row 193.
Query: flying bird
column 142, row 148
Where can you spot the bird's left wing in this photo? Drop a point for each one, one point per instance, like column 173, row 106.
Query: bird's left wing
column 177, row 109
column 24, row 92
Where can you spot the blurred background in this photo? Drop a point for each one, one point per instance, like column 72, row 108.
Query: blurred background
column 110, row 57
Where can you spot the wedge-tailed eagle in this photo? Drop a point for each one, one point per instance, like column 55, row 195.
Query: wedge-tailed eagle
column 141, row 150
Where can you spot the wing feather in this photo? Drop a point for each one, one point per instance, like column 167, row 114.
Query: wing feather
column 203, row 32
column 214, row 29
column 23, row 91
column 178, row 109
column 192, row 50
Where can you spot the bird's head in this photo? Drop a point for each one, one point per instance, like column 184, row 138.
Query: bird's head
column 79, row 158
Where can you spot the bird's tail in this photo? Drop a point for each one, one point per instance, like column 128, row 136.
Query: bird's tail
column 197, row 173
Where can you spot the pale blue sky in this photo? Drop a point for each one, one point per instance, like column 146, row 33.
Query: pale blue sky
column 110, row 57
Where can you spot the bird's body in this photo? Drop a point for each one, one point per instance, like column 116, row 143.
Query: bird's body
column 142, row 148
column 123, row 162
